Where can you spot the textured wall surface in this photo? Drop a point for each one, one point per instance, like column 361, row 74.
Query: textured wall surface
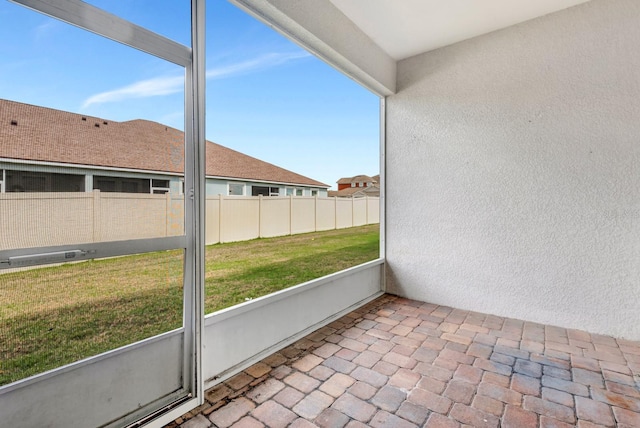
column 513, row 172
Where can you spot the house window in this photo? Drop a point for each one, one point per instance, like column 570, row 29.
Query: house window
column 265, row 191
column 353, row 184
column 159, row 187
column 259, row 191
column 2, row 182
column 130, row 186
column 298, row 192
column 314, row 192
column 236, row 189
column 27, row 181
column 104, row 184
column 124, row 185
column 289, row 191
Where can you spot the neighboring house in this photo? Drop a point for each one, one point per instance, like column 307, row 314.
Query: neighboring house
column 47, row 150
column 357, row 187
column 357, row 181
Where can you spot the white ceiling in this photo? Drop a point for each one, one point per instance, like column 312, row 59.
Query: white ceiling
column 404, row 28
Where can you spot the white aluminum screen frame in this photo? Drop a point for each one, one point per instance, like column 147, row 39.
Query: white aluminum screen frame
column 100, row 22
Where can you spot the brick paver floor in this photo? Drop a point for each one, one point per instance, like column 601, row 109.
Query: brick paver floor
column 403, row 363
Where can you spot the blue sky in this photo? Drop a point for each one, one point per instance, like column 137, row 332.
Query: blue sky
column 266, row 96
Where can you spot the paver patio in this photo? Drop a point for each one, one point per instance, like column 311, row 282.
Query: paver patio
column 403, row 363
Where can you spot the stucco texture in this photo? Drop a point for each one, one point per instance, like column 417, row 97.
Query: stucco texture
column 513, row 172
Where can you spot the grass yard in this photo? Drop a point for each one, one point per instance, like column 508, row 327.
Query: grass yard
column 56, row 315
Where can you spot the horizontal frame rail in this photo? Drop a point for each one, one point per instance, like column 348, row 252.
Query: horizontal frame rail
column 98, row 21
column 77, row 252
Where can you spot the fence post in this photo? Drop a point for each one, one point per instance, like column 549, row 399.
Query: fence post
column 97, row 218
column 353, row 210
column 335, row 212
column 259, row 216
column 315, row 214
column 291, row 214
column 220, row 223
column 167, row 213
column 366, row 208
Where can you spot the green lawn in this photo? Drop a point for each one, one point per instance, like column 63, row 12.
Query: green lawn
column 53, row 316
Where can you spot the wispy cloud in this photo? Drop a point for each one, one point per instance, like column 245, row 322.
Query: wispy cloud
column 44, row 30
column 142, row 89
column 262, row 62
column 173, row 84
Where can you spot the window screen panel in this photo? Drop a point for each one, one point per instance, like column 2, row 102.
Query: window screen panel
column 84, row 148
column 277, row 112
column 54, row 315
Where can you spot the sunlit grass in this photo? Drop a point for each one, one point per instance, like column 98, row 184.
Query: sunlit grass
column 56, row 315
column 269, row 265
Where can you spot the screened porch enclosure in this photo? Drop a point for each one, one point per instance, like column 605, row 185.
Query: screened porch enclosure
column 66, row 292
column 510, row 187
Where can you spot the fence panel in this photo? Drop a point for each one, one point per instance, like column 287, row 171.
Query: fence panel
column 44, row 219
column 175, row 215
column 373, row 210
column 359, row 212
column 303, row 215
column 344, row 213
column 275, row 217
column 326, row 214
column 132, row 216
column 239, row 218
column 74, row 218
column 212, row 220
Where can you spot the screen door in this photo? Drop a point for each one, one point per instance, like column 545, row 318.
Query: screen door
column 98, row 213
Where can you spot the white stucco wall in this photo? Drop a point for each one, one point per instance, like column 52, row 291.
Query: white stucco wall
column 513, row 172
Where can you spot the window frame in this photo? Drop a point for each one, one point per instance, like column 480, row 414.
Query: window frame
column 242, row 187
column 159, row 190
column 271, row 191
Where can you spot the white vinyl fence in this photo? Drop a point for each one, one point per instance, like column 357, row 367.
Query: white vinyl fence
column 48, row 219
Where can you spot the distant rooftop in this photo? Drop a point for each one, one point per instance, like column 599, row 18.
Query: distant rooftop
column 357, row 179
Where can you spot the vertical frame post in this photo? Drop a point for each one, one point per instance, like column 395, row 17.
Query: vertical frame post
column 195, row 197
column 383, row 186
